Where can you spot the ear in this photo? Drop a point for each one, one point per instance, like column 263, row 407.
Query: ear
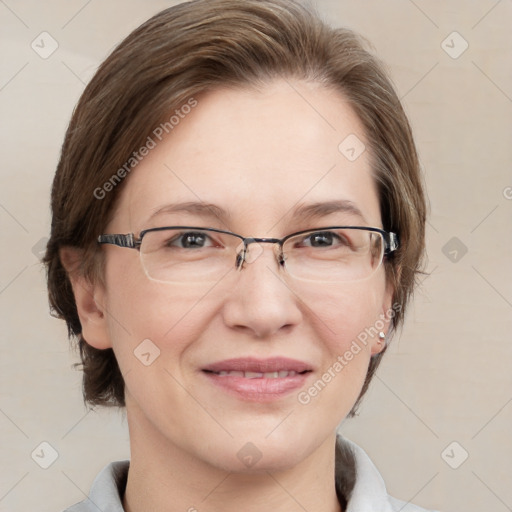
column 385, row 317
column 89, row 299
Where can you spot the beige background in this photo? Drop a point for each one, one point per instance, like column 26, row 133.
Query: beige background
column 446, row 379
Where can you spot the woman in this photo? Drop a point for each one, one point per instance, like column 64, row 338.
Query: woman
column 238, row 219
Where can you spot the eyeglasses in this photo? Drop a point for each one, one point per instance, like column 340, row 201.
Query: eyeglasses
column 181, row 254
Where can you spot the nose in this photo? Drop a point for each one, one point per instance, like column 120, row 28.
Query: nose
column 262, row 302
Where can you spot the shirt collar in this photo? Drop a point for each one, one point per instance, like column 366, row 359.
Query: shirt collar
column 368, row 493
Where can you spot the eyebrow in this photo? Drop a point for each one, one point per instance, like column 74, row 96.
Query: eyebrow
column 207, row 210
column 305, row 212
column 318, row 210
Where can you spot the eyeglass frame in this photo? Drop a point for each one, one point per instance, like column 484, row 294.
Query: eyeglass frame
column 391, row 241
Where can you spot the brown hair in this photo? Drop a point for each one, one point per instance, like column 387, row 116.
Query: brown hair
column 178, row 54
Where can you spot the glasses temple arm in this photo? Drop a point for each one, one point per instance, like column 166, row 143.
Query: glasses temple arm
column 119, row 240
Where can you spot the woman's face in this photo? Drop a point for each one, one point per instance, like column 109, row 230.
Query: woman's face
column 259, row 156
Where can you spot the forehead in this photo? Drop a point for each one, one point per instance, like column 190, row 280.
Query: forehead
column 259, row 155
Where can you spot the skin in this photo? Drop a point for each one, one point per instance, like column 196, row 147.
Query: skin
column 258, row 154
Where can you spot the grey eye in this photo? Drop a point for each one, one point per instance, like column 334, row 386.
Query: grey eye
column 190, row 240
column 323, row 239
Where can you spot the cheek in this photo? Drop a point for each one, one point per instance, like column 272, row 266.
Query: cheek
column 344, row 319
column 344, row 323
column 347, row 312
column 162, row 317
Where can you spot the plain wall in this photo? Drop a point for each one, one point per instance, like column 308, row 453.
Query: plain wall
column 445, row 379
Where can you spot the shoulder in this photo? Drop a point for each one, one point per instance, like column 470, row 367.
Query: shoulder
column 367, row 490
column 107, row 490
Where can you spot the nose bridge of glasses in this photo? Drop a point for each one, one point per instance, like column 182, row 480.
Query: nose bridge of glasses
column 250, row 249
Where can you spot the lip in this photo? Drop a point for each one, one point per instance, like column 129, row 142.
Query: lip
column 259, row 389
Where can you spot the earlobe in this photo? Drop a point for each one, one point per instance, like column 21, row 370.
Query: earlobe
column 89, row 299
column 380, row 345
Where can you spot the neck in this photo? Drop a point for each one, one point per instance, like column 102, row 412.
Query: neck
column 164, row 477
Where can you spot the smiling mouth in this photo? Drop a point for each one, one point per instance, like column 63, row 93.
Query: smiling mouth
column 259, row 380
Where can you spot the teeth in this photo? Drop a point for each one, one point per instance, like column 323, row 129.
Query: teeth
column 253, row 375
column 231, row 374
column 258, row 375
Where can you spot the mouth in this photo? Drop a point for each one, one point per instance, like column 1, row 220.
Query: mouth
column 281, row 374
column 259, row 380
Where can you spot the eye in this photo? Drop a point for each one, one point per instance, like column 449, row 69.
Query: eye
column 190, row 240
column 324, row 239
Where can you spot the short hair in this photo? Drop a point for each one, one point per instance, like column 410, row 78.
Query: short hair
column 180, row 53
